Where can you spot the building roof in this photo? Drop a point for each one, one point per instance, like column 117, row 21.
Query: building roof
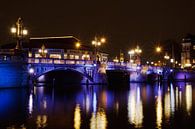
column 189, row 38
column 63, row 42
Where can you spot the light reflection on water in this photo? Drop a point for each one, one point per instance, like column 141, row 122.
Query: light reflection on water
column 135, row 109
column 188, row 98
column 77, row 117
column 98, row 120
column 96, row 107
column 167, row 105
column 159, row 108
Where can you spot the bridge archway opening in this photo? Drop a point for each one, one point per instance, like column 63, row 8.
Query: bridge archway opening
column 63, row 76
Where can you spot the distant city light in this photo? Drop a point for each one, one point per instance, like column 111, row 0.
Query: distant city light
column 166, row 57
column 158, row 49
column 78, row 45
column 188, row 65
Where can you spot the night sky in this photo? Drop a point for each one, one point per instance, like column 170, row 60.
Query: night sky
column 124, row 23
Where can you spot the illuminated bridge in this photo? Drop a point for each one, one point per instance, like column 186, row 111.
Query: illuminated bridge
column 43, row 56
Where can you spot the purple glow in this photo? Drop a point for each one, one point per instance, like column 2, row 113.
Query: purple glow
column 31, row 71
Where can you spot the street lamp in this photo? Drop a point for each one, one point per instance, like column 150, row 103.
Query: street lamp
column 19, row 32
column 166, row 57
column 138, row 51
column 136, row 54
column 78, row 45
column 131, row 53
column 97, row 42
column 158, row 49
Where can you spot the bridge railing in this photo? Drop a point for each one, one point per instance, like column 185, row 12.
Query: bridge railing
column 6, row 51
column 59, row 61
column 117, row 65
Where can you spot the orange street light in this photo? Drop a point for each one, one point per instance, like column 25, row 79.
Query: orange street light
column 158, row 49
column 77, row 45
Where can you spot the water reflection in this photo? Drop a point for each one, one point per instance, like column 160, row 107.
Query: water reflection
column 98, row 120
column 97, row 107
column 77, row 117
column 172, row 95
column 41, row 121
column 94, row 102
column 176, row 98
column 30, row 104
column 167, row 105
column 188, row 98
column 135, row 109
column 159, row 109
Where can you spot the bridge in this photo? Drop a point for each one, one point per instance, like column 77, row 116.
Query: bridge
column 20, row 70
column 41, row 66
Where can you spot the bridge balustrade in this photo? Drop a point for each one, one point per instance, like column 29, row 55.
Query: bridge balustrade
column 59, row 61
column 7, row 51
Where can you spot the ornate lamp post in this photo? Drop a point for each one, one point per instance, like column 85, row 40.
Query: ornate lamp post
column 138, row 51
column 131, row 53
column 97, row 42
column 19, row 32
column 43, row 51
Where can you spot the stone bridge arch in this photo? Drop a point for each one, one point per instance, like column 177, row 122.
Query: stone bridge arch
column 86, row 71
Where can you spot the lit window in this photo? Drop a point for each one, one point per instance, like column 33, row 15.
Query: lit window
column 58, row 61
column 85, row 57
column 56, row 56
column 71, row 56
column 36, row 60
column 65, row 56
column 29, row 54
column 77, row 57
column 70, row 62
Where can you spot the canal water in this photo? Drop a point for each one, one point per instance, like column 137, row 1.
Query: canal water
column 99, row 107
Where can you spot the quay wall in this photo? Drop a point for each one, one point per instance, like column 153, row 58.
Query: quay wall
column 184, row 76
column 13, row 74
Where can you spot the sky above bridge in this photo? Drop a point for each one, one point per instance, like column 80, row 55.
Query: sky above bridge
column 124, row 23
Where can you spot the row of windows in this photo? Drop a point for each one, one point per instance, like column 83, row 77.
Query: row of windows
column 59, row 56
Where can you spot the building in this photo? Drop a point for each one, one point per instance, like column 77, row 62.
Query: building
column 188, row 52
column 66, row 47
